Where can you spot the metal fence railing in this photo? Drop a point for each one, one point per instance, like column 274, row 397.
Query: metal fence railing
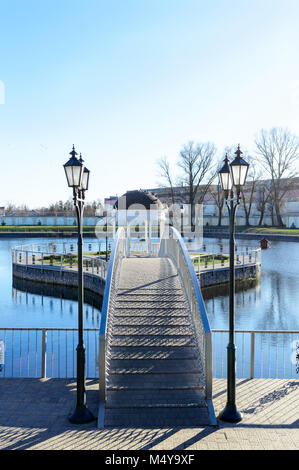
column 260, row 353
column 46, row 352
column 210, row 261
column 53, row 256
column 51, row 352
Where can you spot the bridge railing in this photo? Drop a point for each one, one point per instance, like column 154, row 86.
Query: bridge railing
column 173, row 246
column 118, row 252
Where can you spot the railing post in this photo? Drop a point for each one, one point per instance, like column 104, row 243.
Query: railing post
column 102, row 368
column 208, row 364
column 252, row 345
column 44, row 353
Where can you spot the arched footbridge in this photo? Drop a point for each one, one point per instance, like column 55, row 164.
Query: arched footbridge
column 155, row 340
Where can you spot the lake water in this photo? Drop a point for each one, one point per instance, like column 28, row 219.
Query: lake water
column 271, row 303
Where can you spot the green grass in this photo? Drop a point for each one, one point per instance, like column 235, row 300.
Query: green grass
column 217, row 259
column 44, row 228
column 66, row 259
column 274, row 230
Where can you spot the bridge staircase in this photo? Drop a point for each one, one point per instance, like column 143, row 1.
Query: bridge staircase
column 156, row 369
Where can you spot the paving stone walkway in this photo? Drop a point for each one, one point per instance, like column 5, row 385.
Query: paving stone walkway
column 33, row 415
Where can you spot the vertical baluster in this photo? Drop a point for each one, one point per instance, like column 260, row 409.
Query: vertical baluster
column 73, row 354
column 277, row 355
column 20, row 356
column 283, row 356
column 12, row 351
column 28, row 338
column 59, row 354
column 261, row 355
column 4, row 351
column 66, row 354
column 44, row 353
column 52, row 353
column 35, row 353
column 269, row 353
column 221, row 350
column 252, row 345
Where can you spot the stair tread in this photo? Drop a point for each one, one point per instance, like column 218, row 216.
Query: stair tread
column 154, row 341
column 147, row 366
column 156, row 353
column 160, row 330
column 127, row 320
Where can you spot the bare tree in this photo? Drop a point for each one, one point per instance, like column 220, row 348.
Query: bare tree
column 248, row 192
column 263, row 198
column 166, row 175
column 197, row 164
column 278, row 151
column 218, row 196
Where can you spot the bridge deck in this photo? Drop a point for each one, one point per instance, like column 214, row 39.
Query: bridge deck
column 154, row 369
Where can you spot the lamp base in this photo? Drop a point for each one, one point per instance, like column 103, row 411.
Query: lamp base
column 81, row 415
column 230, row 414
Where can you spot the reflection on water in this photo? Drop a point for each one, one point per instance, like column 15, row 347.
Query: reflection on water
column 31, row 305
column 272, row 302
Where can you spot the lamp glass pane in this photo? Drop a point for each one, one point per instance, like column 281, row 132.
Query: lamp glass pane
column 69, row 175
column 225, row 181
column 77, row 175
column 239, row 173
column 85, row 180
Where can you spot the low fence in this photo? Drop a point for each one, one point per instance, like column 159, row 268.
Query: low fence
column 51, row 352
column 260, row 353
column 46, row 352
column 211, row 261
column 61, row 257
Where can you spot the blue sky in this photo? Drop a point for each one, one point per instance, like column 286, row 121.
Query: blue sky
column 128, row 81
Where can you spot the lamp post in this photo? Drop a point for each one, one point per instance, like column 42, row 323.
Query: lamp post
column 77, row 176
column 182, row 221
column 232, row 174
column 106, row 236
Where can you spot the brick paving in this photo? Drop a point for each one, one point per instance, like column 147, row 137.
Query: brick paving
column 33, row 415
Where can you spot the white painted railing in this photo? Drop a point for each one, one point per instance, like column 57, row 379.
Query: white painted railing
column 46, row 352
column 49, row 257
column 51, row 352
column 210, row 261
column 173, row 246
column 119, row 251
column 260, row 353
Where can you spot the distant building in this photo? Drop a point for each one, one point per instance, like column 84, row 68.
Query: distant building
column 109, row 202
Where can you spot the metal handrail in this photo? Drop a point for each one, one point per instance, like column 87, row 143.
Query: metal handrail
column 118, row 252
column 38, row 352
column 174, row 248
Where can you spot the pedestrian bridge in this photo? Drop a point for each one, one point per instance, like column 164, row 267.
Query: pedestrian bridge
column 155, row 339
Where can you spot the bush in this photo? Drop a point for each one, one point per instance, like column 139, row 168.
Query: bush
column 3, row 223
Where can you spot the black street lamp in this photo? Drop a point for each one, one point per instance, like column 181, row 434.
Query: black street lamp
column 77, row 176
column 233, row 174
